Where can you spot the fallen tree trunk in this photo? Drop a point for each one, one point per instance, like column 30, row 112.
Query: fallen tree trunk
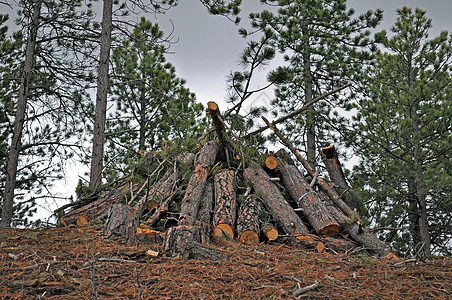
column 121, row 220
column 319, row 181
column 185, row 240
column 306, row 198
column 225, row 204
column 270, row 233
column 274, row 201
column 206, row 211
column 248, row 220
column 334, row 168
column 226, row 145
column 98, row 209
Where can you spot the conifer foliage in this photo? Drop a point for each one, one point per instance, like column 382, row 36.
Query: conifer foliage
column 403, row 130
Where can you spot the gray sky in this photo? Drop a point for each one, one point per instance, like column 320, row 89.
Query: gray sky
column 209, row 46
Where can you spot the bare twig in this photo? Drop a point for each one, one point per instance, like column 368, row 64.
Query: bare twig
column 305, row 289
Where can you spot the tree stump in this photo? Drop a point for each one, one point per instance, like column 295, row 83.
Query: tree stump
column 248, row 220
column 274, row 201
column 225, row 204
column 313, row 208
column 121, row 221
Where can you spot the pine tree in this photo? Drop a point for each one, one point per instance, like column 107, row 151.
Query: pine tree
column 47, row 100
column 403, row 134
column 324, row 46
column 151, row 103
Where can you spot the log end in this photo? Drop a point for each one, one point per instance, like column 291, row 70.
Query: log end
column 271, row 162
column 272, row 234
column 223, row 231
column 212, row 105
column 330, row 230
column 249, row 236
column 329, row 152
column 81, row 221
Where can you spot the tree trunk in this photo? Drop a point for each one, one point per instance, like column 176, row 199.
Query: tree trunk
column 121, row 221
column 319, row 181
column 334, row 168
column 358, row 233
column 248, row 220
column 206, row 211
column 226, row 145
column 225, row 204
column 101, row 97
column 13, row 157
column 274, row 201
column 194, row 192
column 98, row 209
column 185, row 240
column 270, row 232
column 306, row 198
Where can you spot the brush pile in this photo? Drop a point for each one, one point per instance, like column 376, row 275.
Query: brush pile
column 227, row 191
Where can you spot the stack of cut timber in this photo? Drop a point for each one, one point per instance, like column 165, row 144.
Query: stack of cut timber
column 229, row 200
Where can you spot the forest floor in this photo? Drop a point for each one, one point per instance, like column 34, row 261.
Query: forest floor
column 58, row 263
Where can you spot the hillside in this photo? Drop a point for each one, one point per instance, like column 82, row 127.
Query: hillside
column 56, row 264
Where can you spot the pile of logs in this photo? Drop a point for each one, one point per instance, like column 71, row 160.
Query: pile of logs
column 229, row 196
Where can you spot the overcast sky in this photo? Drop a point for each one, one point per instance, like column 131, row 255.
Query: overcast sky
column 208, row 46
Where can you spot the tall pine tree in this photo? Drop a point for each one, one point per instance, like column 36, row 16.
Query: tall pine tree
column 151, row 103
column 324, row 46
column 403, row 134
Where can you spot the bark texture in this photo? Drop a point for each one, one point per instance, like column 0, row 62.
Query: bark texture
column 306, row 198
column 194, row 192
column 19, row 121
column 248, row 220
column 121, row 221
column 225, row 204
column 337, row 176
column 101, row 97
column 274, row 201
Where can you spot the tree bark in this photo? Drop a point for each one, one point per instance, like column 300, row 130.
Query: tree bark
column 206, row 211
column 358, row 233
column 306, row 198
column 225, row 204
column 121, row 221
column 334, row 168
column 101, row 97
column 274, row 201
column 98, row 209
column 194, row 192
column 320, row 182
column 248, row 220
column 19, row 121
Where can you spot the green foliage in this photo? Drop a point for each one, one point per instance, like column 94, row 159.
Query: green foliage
column 324, row 46
column 154, row 111
column 403, row 135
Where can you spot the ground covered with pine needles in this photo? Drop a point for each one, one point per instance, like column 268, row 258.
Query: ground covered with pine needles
column 76, row 263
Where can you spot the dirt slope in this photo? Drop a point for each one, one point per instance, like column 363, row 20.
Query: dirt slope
column 54, row 264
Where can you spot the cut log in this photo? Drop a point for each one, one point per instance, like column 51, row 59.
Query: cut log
column 185, row 240
column 194, row 192
column 271, row 163
column 226, row 145
column 206, row 211
column 121, row 221
column 320, row 182
column 337, row 176
column 225, row 204
column 270, row 232
column 274, row 201
column 360, row 234
column 313, row 208
column 248, row 220
column 98, row 209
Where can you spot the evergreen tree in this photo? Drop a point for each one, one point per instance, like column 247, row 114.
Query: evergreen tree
column 152, row 104
column 216, row 7
column 403, row 134
column 324, row 46
column 47, row 92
